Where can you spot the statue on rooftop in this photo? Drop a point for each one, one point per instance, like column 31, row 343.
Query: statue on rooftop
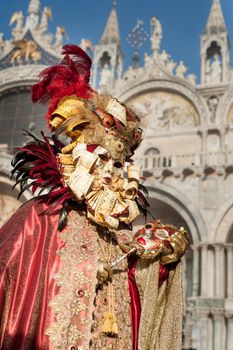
column 156, row 34
column 17, row 19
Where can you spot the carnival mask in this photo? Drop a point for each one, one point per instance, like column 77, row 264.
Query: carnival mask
column 98, row 136
column 98, row 180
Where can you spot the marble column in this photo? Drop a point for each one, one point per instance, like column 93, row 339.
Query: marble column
column 229, row 250
column 201, row 329
column 210, row 332
column 220, row 271
column 204, row 271
column 229, row 331
column 211, row 272
column 195, row 287
column 219, row 331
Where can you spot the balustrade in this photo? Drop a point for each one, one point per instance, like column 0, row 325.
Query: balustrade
column 183, row 161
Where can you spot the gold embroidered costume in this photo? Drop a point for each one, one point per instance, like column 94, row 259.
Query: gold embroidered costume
column 74, row 276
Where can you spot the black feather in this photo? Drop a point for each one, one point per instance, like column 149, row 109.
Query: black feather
column 24, row 186
column 143, row 189
column 63, row 217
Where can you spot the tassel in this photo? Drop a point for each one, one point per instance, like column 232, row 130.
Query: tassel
column 110, row 327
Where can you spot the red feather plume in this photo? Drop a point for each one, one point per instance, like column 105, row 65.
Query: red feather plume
column 70, row 77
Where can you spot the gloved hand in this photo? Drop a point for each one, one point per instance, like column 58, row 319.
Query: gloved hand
column 179, row 242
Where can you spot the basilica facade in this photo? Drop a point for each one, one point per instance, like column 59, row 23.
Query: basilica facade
column 186, row 155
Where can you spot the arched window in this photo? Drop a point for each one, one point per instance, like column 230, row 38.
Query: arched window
column 152, row 158
column 17, row 112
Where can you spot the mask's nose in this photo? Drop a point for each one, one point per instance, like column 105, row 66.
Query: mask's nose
column 110, row 167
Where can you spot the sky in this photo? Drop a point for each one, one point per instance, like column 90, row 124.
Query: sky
column 182, row 20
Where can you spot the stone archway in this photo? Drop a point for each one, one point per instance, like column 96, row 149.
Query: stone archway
column 223, row 222
column 170, row 86
column 223, row 109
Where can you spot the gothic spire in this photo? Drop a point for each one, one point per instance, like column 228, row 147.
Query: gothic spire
column 111, row 32
column 216, row 22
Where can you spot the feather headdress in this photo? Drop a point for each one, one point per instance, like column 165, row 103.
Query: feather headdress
column 79, row 116
column 70, row 77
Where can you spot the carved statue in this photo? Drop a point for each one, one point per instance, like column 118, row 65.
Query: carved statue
column 213, row 70
column 2, row 42
column 119, row 69
column 164, row 57
column 181, row 70
column 17, row 18
column 191, row 78
column 105, row 76
column 46, row 15
column 170, row 66
column 26, row 49
column 86, row 45
column 148, row 60
column 216, row 69
column 156, row 34
column 212, row 104
column 60, row 32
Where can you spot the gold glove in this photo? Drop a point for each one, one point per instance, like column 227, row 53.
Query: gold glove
column 179, row 242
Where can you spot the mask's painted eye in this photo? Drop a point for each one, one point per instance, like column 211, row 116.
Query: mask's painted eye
column 103, row 157
column 118, row 165
column 148, row 226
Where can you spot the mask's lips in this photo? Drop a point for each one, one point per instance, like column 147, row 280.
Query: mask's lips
column 107, row 179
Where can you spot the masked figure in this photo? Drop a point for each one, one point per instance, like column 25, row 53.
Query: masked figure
column 74, row 276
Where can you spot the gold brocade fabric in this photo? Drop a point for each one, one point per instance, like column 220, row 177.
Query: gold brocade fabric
column 161, row 317
column 121, row 301
column 79, row 305
column 49, row 294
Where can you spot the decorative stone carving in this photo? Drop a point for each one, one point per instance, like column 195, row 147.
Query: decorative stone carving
column 191, row 78
column 18, row 75
column 212, row 103
column 156, row 35
column 196, row 100
column 170, row 66
column 17, row 19
column 130, row 74
column 2, row 41
column 214, row 70
column 181, row 70
column 148, row 61
column 224, row 112
column 60, row 32
column 164, row 57
column 105, row 77
column 25, row 50
column 86, row 45
column 46, row 15
column 164, row 110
